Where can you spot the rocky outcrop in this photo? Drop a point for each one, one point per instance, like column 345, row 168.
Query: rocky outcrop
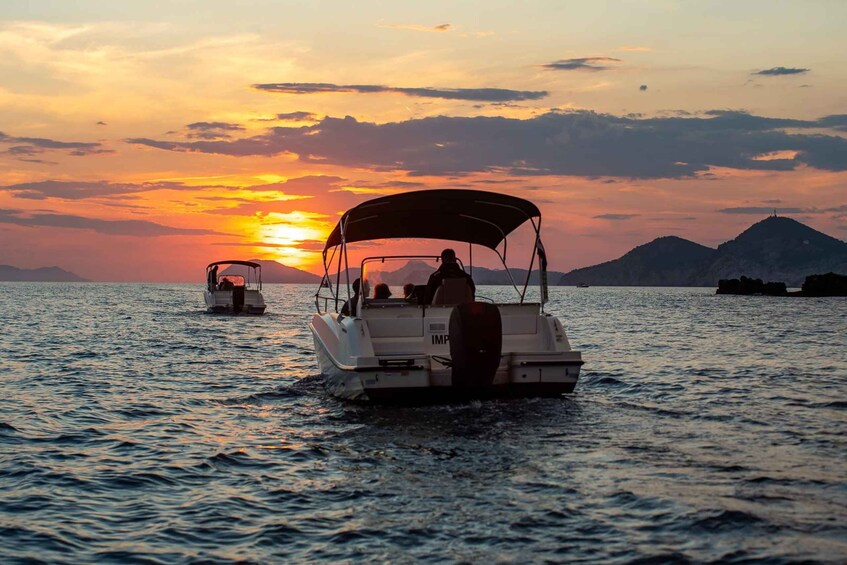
column 829, row 284
column 749, row 286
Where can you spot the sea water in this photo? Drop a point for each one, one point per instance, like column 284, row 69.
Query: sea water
column 134, row 427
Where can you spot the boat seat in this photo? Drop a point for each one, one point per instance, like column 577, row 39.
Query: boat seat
column 385, row 302
column 398, row 319
column 453, row 291
column 519, row 319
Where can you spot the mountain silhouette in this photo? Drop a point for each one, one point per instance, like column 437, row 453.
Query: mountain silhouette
column 774, row 249
column 275, row 272
column 777, row 249
column 414, row 271
column 666, row 261
column 43, row 274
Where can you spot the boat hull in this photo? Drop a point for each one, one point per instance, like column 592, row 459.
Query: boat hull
column 251, row 310
column 418, row 382
column 221, row 302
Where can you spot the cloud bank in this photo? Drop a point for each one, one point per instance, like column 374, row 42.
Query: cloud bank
column 579, row 143
column 137, row 228
column 581, row 64
column 79, row 190
column 297, row 116
column 759, row 210
column 474, row 94
column 416, row 27
column 781, row 71
column 39, row 145
column 212, row 130
column 616, row 216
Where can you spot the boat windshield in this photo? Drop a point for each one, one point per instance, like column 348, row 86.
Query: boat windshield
column 398, row 278
column 234, row 275
column 228, row 282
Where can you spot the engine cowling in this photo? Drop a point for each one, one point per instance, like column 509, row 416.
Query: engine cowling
column 476, row 341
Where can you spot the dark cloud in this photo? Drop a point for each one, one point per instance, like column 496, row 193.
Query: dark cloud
column 643, row 88
column 578, row 143
column 297, row 116
column 25, row 150
column 311, row 187
column 76, row 148
column 759, row 210
column 835, row 121
column 137, row 228
column 222, row 126
column 307, row 183
column 418, row 27
column 616, row 216
column 476, row 94
column 771, row 210
column 101, row 123
column 581, row 64
column 305, row 245
column 398, row 184
column 78, row 190
column 212, row 130
column 781, row 71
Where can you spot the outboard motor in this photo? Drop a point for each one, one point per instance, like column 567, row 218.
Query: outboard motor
column 237, row 299
column 476, row 340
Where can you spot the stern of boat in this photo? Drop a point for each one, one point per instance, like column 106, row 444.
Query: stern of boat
column 403, row 355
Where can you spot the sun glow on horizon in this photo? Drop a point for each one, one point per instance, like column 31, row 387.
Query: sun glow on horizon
column 294, row 236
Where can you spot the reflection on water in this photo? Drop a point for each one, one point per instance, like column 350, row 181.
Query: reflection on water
column 135, row 426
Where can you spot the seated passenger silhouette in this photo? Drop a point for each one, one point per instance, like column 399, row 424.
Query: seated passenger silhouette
column 213, row 278
column 382, row 291
column 350, row 305
column 408, row 291
column 449, row 269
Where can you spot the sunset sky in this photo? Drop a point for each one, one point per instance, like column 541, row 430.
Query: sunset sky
column 141, row 140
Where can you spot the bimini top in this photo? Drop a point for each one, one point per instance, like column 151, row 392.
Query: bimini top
column 246, row 263
column 473, row 216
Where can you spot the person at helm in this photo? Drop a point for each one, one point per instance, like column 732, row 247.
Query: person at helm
column 449, row 269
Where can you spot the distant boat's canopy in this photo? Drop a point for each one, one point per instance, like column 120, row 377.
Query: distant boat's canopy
column 245, row 263
column 472, row 216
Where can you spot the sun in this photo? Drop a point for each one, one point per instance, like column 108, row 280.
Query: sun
column 294, row 238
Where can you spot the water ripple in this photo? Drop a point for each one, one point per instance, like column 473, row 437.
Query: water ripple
column 703, row 430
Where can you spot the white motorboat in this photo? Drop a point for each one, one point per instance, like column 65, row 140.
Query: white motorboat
column 457, row 346
column 233, row 293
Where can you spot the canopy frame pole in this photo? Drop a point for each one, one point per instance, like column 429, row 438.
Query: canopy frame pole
column 334, row 290
column 325, row 277
column 344, row 221
column 502, row 256
column 537, row 230
column 508, row 270
column 543, row 287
